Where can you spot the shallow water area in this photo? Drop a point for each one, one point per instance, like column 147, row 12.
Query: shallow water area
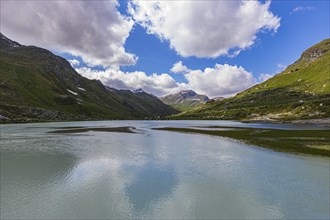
column 154, row 174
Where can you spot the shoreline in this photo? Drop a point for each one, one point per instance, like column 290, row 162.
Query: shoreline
column 318, row 122
column 307, row 142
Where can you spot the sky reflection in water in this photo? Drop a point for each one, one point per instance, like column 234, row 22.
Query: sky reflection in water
column 154, row 174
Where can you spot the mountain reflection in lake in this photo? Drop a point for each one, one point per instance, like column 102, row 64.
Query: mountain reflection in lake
column 97, row 174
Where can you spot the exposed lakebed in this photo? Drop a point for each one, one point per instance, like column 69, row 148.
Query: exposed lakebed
column 126, row 169
column 70, row 130
column 305, row 141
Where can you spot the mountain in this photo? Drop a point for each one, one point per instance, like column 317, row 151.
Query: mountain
column 185, row 100
column 301, row 91
column 36, row 85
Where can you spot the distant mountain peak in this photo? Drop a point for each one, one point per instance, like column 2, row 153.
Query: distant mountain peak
column 185, row 99
column 188, row 93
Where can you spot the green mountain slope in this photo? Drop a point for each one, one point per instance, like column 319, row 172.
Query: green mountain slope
column 301, row 91
column 36, row 85
column 185, row 100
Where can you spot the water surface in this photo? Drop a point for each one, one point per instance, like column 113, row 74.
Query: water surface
column 154, row 174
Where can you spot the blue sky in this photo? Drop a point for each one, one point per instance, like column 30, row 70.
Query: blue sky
column 297, row 32
column 143, row 49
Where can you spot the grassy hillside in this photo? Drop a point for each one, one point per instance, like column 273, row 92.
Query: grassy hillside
column 301, row 91
column 36, row 85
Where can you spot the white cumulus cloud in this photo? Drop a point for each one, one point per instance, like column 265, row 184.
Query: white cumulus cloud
column 178, row 67
column 94, row 30
column 205, row 28
column 222, row 80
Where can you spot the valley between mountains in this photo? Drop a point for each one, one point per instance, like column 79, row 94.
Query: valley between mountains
column 36, row 85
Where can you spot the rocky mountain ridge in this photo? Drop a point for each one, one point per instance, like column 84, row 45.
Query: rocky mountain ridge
column 37, row 85
column 185, row 100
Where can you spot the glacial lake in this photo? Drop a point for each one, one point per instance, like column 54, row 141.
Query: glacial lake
column 154, row 174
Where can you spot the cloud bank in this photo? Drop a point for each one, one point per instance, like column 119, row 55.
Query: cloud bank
column 221, row 80
column 205, row 28
column 157, row 84
column 94, row 30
